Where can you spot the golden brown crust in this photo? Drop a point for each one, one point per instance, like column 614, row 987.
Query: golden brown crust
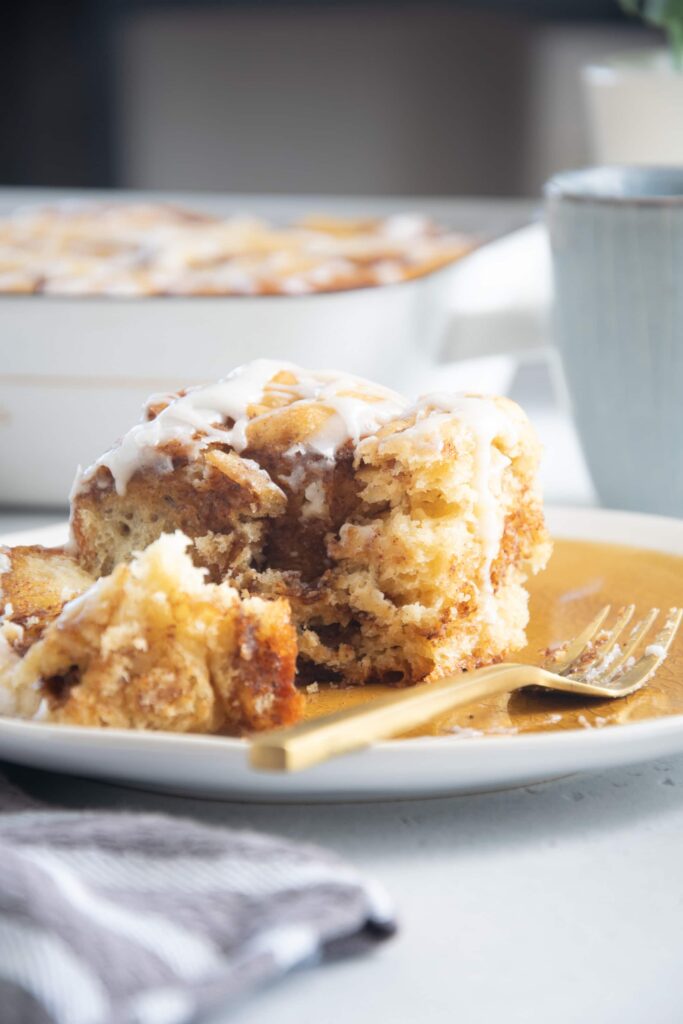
column 35, row 584
column 153, row 646
column 196, row 498
column 267, row 497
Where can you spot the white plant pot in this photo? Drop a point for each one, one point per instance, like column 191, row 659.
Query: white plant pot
column 635, row 109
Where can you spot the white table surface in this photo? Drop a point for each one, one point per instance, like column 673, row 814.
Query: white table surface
column 560, row 902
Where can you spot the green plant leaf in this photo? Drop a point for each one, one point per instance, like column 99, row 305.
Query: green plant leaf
column 663, row 14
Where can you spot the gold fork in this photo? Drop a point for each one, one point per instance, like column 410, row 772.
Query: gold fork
column 591, row 665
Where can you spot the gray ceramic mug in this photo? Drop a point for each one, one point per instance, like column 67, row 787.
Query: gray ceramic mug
column 617, row 241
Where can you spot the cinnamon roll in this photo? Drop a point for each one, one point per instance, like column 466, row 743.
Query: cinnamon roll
column 401, row 534
column 142, row 249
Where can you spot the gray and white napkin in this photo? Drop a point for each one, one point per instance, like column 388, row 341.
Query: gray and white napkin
column 126, row 918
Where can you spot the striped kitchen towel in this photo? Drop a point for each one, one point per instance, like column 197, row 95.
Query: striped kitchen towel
column 123, row 918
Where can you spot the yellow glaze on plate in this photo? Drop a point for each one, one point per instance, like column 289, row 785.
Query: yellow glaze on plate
column 581, row 577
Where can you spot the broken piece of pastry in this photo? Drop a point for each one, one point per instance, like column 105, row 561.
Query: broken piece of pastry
column 35, row 584
column 400, row 534
column 154, row 646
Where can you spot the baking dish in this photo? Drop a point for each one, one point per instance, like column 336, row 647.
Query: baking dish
column 75, row 371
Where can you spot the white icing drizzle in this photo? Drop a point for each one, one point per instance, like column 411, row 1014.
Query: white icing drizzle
column 403, row 227
column 199, row 417
column 354, row 417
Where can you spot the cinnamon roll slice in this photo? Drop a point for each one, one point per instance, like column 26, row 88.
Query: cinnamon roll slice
column 400, row 533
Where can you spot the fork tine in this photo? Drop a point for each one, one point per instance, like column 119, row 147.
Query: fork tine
column 638, row 633
column 596, row 658
column 576, row 647
column 654, row 655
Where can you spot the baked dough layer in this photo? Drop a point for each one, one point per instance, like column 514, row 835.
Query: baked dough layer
column 401, row 535
column 154, row 646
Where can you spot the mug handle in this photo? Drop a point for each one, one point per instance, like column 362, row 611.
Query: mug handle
column 500, row 303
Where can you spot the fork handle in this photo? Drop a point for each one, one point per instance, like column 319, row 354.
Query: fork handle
column 319, row 739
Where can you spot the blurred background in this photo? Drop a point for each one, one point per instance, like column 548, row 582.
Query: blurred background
column 470, row 106
column 373, row 97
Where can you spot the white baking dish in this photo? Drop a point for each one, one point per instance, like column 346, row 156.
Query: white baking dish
column 75, row 371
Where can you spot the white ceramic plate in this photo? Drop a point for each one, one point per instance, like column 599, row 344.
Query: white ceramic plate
column 217, row 767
